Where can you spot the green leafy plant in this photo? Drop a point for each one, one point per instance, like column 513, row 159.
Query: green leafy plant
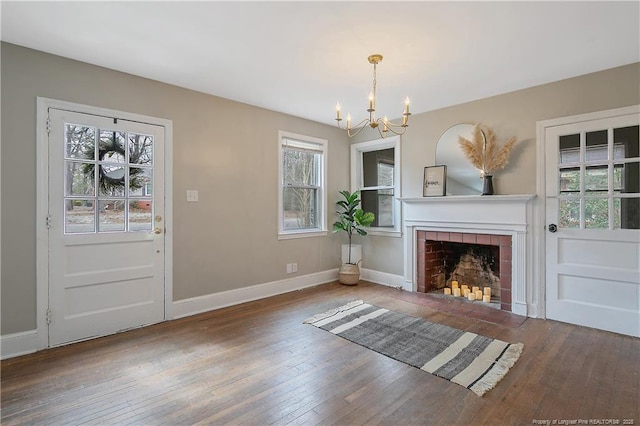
column 352, row 219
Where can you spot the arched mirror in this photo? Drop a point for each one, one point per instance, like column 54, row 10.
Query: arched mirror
column 462, row 177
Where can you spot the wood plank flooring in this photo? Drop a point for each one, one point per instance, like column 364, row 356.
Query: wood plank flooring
column 258, row 364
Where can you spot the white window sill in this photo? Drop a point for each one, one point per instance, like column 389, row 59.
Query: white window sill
column 301, row 234
column 381, row 232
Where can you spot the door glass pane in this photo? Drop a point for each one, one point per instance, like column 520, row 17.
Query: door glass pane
column 79, row 142
column 112, row 182
column 76, row 181
column 596, row 179
column 597, row 146
column 626, row 142
column 140, row 182
column 626, row 213
column 79, row 216
column 596, row 213
column 300, row 208
column 140, row 149
column 569, row 146
column 111, row 215
column 112, row 146
column 140, row 215
column 570, row 180
column 569, row 213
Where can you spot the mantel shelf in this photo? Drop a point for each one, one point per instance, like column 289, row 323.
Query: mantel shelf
column 470, row 199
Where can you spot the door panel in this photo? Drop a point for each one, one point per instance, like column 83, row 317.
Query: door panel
column 106, row 263
column 593, row 258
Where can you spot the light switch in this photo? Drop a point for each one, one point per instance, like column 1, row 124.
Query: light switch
column 192, row 195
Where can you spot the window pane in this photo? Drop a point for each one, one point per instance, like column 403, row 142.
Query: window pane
column 596, row 213
column 629, row 177
column 140, row 182
column 300, row 205
column 569, row 149
column 300, row 168
column 377, row 167
column 597, row 146
column 111, row 180
column 79, row 216
column 569, row 180
column 78, row 178
column 111, row 215
column 380, row 203
column 112, row 146
column 140, row 215
column 140, row 149
column 626, row 213
column 596, row 179
column 569, row 213
column 626, row 142
column 79, row 142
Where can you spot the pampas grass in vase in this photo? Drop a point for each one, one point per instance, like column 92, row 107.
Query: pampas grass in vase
column 484, row 154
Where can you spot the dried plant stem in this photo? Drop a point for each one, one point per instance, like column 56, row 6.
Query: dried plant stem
column 483, row 152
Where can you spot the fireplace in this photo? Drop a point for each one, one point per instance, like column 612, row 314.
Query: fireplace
column 482, row 260
column 499, row 223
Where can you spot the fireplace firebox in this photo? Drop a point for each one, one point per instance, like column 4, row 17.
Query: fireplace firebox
column 474, row 259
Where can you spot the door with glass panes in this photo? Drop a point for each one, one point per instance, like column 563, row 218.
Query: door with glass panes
column 106, row 216
column 593, row 222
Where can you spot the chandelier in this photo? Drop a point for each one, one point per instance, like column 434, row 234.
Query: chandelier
column 383, row 125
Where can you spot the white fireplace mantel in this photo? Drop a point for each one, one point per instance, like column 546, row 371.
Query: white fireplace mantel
column 481, row 214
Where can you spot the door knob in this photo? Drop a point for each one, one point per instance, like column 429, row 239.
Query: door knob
column 553, row 227
column 158, row 230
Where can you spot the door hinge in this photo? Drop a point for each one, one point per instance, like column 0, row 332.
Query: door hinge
column 48, row 125
column 48, row 316
column 48, row 221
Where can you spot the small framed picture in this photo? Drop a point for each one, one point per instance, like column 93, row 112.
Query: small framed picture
column 435, row 181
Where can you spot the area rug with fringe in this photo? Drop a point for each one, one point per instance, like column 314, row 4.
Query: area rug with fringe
column 476, row 362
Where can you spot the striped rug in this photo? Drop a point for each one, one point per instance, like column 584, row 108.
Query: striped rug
column 468, row 359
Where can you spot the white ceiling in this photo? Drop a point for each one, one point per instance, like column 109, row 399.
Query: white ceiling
column 301, row 57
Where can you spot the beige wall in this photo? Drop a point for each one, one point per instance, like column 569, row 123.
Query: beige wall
column 512, row 114
column 226, row 150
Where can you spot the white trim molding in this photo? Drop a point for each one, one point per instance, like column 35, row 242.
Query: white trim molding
column 209, row 302
column 22, row 343
column 384, row 278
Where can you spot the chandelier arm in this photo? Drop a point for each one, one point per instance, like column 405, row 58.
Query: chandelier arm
column 390, row 123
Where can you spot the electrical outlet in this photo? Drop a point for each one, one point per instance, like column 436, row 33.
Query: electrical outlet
column 294, row 267
column 289, row 268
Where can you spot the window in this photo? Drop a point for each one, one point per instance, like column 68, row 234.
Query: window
column 375, row 172
column 599, row 179
column 302, row 195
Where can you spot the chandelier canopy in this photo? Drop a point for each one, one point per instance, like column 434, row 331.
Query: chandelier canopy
column 383, row 125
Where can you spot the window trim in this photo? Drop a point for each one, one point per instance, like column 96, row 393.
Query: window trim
column 323, row 144
column 357, row 179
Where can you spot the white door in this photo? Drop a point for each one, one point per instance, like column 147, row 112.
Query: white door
column 106, row 234
column 593, row 215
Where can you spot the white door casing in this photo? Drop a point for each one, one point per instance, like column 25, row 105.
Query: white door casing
column 592, row 268
column 114, row 274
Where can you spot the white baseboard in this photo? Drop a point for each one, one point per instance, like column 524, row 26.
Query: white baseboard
column 22, row 343
column 209, row 302
column 384, row 278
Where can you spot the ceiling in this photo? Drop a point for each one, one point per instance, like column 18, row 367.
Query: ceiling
column 300, row 58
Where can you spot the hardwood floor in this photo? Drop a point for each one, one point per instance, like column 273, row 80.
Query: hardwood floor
column 258, row 364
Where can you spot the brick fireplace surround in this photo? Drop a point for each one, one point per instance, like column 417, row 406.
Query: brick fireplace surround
column 429, row 261
column 503, row 221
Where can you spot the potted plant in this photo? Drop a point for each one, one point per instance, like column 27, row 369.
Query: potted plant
column 352, row 219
